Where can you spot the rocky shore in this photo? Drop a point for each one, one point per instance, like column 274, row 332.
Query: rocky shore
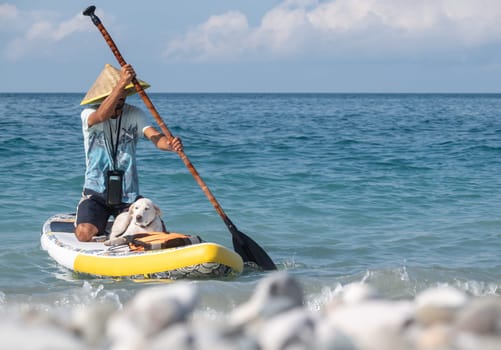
column 275, row 317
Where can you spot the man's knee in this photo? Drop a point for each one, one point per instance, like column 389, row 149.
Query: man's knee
column 85, row 232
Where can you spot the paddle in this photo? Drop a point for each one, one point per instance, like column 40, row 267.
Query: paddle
column 249, row 250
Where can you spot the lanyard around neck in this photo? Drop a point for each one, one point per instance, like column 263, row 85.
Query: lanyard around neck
column 114, row 145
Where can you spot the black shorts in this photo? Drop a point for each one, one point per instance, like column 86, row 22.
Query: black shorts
column 92, row 209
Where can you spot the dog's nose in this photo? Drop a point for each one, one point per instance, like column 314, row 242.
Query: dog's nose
column 139, row 217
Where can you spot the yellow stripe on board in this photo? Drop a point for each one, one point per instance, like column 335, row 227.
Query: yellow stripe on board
column 157, row 261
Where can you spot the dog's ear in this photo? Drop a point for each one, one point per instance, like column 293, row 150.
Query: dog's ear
column 131, row 209
column 157, row 210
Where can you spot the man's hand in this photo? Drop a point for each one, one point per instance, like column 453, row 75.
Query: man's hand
column 127, row 73
column 161, row 142
column 176, row 144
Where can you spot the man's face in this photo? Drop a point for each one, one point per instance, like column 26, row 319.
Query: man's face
column 118, row 108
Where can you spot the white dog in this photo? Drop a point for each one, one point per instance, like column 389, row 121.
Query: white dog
column 143, row 216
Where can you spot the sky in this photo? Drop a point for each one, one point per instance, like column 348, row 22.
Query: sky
column 341, row 46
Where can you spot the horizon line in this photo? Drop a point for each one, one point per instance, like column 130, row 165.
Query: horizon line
column 278, row 92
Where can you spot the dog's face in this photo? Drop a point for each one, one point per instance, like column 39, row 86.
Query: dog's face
column 144, row 212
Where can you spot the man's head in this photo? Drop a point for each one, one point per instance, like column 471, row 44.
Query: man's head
column 105, row 83
column 118, row 108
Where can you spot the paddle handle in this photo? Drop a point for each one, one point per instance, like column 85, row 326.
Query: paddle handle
column 90, row 12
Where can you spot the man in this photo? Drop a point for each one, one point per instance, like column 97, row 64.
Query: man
column 111, row 131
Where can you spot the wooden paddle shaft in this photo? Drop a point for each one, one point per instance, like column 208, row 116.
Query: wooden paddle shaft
column 90, row 12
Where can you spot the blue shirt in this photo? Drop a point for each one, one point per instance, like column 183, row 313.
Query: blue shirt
column 99, row 150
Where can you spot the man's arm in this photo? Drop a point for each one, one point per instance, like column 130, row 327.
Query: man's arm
column 161, row 142
column 108, row 108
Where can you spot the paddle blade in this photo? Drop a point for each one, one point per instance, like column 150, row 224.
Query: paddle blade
column 251, row 251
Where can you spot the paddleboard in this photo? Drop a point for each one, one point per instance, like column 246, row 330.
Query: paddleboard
column 198, row 261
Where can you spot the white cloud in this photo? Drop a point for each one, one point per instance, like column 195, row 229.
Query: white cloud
column 338, row 28
column 53, row 32
column 282, row 30
column 219, row 36
column 8, row 12
column 38, row 32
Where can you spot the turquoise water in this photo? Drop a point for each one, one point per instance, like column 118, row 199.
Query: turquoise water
column 402, row 191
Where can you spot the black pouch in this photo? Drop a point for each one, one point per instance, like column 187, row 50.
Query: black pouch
column 114, row 187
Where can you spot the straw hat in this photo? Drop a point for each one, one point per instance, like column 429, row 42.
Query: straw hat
column 104, row 83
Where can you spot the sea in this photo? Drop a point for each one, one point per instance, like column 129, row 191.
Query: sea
column 399, row 191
